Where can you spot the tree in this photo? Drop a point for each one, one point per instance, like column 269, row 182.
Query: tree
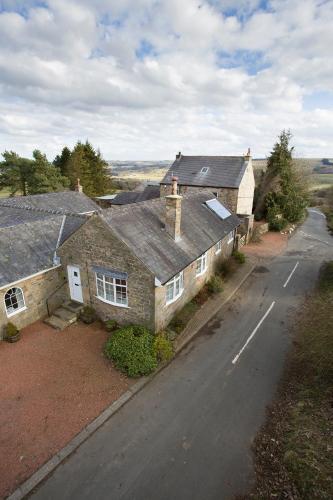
column 62, row 161
column 15, row 172
column 88, row 165
column 45, row 177
column 282, row 194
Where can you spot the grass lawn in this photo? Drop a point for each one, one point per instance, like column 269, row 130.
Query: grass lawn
column 293, row 451
column 320, row 181
column 4, row 193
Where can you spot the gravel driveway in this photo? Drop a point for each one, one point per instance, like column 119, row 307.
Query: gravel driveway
column 52, row 385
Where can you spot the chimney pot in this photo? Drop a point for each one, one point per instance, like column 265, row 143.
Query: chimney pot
column 178, row 156
column 78, row 186
column 248, row 154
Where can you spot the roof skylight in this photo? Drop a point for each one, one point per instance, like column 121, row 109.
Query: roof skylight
column 218, row 209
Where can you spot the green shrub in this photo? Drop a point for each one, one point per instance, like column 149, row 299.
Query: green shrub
column 215, row 284
column 226, row 267
column 163, row 347
column 202, row 296
column 11, row 330
column 132, row 350
column 180, row 320
column 277, row 224
column 111, row 325
column 88, row 315
column 239, row 256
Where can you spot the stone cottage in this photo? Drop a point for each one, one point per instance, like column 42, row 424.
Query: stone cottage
column 32, row 281
column 143, row 262
column 229, row 178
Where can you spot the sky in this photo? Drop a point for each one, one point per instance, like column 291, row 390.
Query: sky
column 144, row 79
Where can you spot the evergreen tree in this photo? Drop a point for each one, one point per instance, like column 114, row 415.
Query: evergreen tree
column 282, row 192
column 45, row 177
column 62, row 161
column 15, row 172
column 88, row 165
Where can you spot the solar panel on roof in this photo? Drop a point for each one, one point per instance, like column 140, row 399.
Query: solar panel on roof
column 218, row 208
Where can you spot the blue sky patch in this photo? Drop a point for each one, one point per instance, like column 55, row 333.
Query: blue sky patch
column 251, row 61
column 145, row 49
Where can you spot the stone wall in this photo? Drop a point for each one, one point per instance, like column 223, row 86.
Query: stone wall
column 94, row 244
column 227, row 196
column 36, row 291
column 246, row 191
column 192, row 285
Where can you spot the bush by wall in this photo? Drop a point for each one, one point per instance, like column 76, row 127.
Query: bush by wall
column 132, row 349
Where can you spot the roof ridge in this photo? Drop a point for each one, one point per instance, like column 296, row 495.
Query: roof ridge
column 42, row 210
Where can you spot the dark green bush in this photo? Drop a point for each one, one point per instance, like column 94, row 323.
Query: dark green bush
column 181, row 319
column 88, row 315
column 226, row 267
column 111, row 325
column 277, row 224
column 11, row 330
column 132, row 350
column 239, row 256
column 215, row 284
column 163, row 347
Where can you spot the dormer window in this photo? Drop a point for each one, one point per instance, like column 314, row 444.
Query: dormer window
column 204, row 170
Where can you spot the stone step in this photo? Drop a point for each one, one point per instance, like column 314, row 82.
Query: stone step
column 55, row 322
column 65, row 314
column 72, row 306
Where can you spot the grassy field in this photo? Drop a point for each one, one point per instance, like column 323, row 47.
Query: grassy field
column 156, row 174
column 293, row 452
column 320, row 181
column 4, row 193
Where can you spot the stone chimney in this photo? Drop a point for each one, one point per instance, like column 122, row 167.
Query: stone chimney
column 178, row 157
column 173, row 212
column 247, row 156
column 78, row 186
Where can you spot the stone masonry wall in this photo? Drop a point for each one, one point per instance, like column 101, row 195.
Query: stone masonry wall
column 95, row 245
column 36, row 290
column 227, row 196
column 192, row 285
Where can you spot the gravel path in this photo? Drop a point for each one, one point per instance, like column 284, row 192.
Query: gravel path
column 271, row 245
column 52, row 385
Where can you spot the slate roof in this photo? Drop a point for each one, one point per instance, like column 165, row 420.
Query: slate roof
column 127, row 197
column 141, row 226
column 30, row 227
column 63, row 202
column 223, row 171
column 28, row 248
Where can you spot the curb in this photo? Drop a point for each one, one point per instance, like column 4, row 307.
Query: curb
column 41, row 474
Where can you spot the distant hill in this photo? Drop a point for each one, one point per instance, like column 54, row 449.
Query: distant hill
column 312, row 165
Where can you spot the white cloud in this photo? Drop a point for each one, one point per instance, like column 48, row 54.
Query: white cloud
column 144, row 78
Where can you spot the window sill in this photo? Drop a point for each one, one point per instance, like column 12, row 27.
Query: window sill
column 174, row 299
column 112, row 303
column 201, row 274
column 219, row 251
column 9, row 315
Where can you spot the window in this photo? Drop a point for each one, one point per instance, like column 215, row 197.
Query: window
column 204, row 170
column 112, row 290
column 14, row 301
column 174, row 288
column 218, row 247
column 201, row 264
column 231, row 237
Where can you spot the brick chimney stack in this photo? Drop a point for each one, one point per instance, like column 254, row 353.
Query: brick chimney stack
column 78, row 187
column 173, row 212
column 247, row 156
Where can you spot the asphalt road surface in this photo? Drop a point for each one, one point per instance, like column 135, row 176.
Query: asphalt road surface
column 187, row 435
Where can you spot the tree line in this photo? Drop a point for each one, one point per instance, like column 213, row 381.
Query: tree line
column 37, row 175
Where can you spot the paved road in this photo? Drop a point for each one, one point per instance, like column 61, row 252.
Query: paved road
column 188, row 434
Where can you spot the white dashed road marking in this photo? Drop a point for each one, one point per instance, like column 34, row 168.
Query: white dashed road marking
column 290, row 275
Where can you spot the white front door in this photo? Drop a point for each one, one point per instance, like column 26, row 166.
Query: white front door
column 74, row 281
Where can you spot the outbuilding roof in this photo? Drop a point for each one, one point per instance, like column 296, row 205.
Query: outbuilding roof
column 207, row 171
column 142, row 227
column 62, row 202
column 127, row 197
column 28, row 248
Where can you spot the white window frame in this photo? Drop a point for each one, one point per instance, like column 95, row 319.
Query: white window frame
column 218, row 247
column 202, row 261
column 176, row 287
column 231, row 237
column 103, row 281
column 204, row 170
column 18, row 310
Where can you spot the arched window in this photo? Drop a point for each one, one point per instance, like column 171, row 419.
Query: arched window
column 14, row 301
